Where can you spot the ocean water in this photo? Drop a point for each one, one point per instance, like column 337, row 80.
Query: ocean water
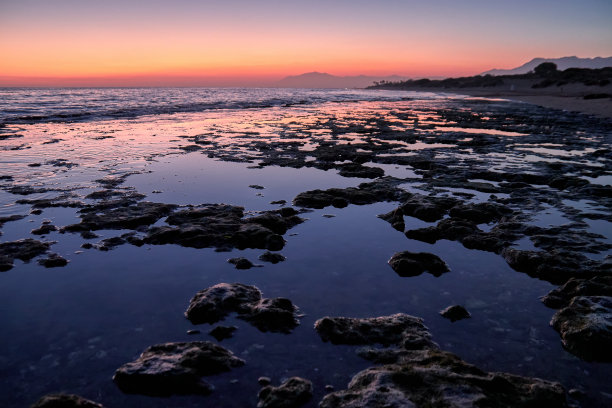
column 68, row 329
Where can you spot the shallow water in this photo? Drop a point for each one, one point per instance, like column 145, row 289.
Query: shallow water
column 68, row 329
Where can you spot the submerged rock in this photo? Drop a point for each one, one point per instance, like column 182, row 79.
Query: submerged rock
column 292, row 393
column 408, row 263
column 65, row 401
column 24, row 249
column 455, row 312
column 585, row 326
column 213, row 304
column 175, row 368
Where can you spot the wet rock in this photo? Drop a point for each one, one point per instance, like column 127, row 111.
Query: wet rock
column 434, row 378
column 224, row 226
column 395, row 218
column 276, row 315
column 449, row 228
column 415, row 263
column 263, row 381
column 192, row 332
column 223, row 332
column 53, row 261
column 213, row 304
column 65, row 401
column 365, row 193
column 596, row 286
column 23, row 249
column 357, row 170
column 405, row 330
column 292, row 393
column 175, row 368
column 455, row 312
column 271, row 257
column 241, row 263
column 10, row 218
column 481, row 213
column 585, row 326
column 120, row 215
column 427, row 208
column 44, row 229
column 279, row 202
column 555, row 266
column 257, row 187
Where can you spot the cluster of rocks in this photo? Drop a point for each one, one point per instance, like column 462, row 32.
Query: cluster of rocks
column 267, row 314
column 414, row 372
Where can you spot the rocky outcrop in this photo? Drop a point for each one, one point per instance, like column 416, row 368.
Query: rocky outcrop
column 65, row 401
column 416, row 373
column 23, row 249
column 585, row 326
column 562, row 296
column 408, row 263
column 292, row 393
column 434, row 378
column 214, row 303
column 175, row 368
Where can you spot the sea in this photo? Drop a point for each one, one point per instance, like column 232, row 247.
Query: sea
column 68, row 329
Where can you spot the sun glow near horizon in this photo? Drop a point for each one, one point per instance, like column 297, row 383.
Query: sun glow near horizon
column 268, row 40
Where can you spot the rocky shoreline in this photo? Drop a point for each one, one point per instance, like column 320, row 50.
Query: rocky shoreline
column 475, row 187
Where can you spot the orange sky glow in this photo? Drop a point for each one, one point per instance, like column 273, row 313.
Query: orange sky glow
column 235, row 42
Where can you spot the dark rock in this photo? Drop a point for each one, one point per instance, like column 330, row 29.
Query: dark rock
column 415, row 263
column 87, row 245
column 292, row 393
column 596, row 286
column 279, row 202
column 213, row 304
column 65, row 401
column 53, row 261
column 121, row 215
column 427, row 208
column 434, row 378
column 402, row 329
column 365, row 193
column 585, row 326
column 223, row 226
column 329, row 388
column 276, row 315
column 263, row 381
column 271, row 257
column 10, row 218
column 89, row 235
column 357, row 170
column 24, row 249
column 257, row 187
column 555, row 266
column 223, row 332
column 395, row 218
column 455, row 312
column 481, row 213
column 175, row 368
column 241, row 263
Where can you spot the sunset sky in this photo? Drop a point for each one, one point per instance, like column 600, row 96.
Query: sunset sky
column 242, row 42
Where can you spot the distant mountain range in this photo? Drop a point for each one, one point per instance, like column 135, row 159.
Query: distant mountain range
column 324, row 80
column 562, row 64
